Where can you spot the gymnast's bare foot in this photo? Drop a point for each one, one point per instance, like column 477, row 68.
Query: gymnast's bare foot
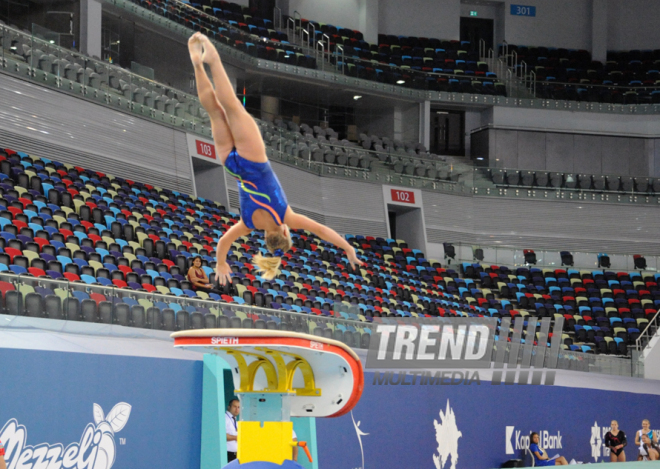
column 196, row 49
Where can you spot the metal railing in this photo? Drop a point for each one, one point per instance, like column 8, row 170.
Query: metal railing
column 650, row 331
column 96, row 304
column 552, row 260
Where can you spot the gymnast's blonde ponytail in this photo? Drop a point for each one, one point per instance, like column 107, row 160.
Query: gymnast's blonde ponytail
column 278, row 244
column 268, row 267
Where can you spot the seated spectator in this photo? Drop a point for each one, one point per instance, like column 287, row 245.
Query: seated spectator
column 648, row 451
column 540, row 456
column 615, row 440
column 199, row 279
column 653, row 439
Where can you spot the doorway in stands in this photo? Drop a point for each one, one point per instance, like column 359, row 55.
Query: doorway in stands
column 447, row 130
column 475, row 29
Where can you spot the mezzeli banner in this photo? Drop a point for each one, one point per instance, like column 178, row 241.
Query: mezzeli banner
column 83, row 411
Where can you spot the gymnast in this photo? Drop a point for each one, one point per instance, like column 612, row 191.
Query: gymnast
column 241, row 149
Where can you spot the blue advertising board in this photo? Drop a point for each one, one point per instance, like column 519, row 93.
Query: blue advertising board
column 523, row 10
column 75, row 411
column 476, row 426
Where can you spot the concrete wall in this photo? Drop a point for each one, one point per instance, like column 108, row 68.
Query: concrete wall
column 399, row 123
column 167, row 56
column 425, row 18
column 591, row 154
column 341, row 13
column 570, row 141
column 633, row 24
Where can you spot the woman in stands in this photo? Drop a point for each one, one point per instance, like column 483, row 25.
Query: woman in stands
column 198, row 277
column 240, row 146
column 540, row 456
column 647, row 449
column 615, row 440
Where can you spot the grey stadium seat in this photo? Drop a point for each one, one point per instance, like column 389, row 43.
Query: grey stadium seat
column 122, row 314
column 556, row 179
column 88, row 311
column 613, row 183
column 34, row 305
column 138, row 316
column 642, row 184
column 513, row 178
column 599, row 183
column 584, row 181
column 527, row 178
column 627, row 184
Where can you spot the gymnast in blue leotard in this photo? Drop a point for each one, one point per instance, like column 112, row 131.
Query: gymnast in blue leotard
column 239, row 144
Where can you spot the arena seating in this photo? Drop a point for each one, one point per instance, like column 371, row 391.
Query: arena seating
column 109, row 83
column 571, row 181
column 459, row 58
column 83, row 245
column 254, row 36
column 322, row 145
column 628, row 77
column 235, row 26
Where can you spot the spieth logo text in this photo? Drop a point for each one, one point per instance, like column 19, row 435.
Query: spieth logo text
column 95, row 450
column 224, row 340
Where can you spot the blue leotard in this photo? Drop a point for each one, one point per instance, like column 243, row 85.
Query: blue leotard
column 259, row 188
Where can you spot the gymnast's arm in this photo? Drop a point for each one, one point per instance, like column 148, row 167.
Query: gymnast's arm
column 222, row 269
column 301, row 222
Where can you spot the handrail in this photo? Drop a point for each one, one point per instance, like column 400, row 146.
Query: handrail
column 343, row 63
column 589, row 363
column 592, row 85
column 320, row 50
column 305, row 43
column 312, row 39
column 210, row 303
column 512, row 256
column 638, row 342
column 291, row 32
column 277, row 14
column 297, row 22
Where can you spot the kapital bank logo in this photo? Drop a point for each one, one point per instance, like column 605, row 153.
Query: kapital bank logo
column 517, row 440
column 95, row 450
